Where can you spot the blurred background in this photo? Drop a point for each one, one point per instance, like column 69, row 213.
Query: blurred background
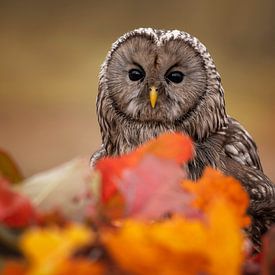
column 51, row 51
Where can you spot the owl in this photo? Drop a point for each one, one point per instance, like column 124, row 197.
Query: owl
column 156, row 81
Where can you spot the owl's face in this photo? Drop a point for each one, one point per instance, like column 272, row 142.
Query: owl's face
column 154, row 81
column 151, row 81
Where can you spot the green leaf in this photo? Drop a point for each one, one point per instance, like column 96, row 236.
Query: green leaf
column 9, row 242
column 8, row 168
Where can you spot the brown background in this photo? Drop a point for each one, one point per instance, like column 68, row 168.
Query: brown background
column 50, row 53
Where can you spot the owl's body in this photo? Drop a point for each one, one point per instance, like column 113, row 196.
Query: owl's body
column 157, row 81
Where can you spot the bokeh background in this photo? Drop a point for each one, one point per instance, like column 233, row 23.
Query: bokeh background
column 51, row 51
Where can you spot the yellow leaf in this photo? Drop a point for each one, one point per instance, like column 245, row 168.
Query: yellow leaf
column 47, row 248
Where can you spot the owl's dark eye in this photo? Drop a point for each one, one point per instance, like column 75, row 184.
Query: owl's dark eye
column 135, row 74
column 175, row 76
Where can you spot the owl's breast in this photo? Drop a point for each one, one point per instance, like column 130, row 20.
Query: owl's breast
column 127, row 135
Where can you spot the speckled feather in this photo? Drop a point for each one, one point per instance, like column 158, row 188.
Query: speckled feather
column 195, row 107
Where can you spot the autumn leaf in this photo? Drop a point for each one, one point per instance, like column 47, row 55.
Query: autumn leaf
column 183, row 245
column 203, row 234
column 14, row 268
column 169, row 146
column 66, row 188
column 47, row 249
column 179, row 245
column 252, row 265
column 268, row 259
column 152, row 189
column 212, row 186
column 9, row 169
column 225, row 239
column 172, row 146
column 15, row 209
column 80, row 267
column 146, row 255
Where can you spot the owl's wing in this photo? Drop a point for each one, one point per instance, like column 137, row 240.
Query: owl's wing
column 262, row 197
column 241, row 161
column 240, row 146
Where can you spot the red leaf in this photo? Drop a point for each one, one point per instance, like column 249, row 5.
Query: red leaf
column 14, row 268
column 169, row 146
column 268, row 260
column 152, row 189
column 15, row 209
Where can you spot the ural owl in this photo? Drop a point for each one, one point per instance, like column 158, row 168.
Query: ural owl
column 154, row 81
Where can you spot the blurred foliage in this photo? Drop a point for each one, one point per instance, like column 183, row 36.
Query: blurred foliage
column 51, row 51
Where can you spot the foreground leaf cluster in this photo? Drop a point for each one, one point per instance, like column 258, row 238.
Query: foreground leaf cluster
column 134, row 214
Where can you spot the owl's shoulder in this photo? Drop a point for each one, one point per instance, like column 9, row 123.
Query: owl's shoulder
column 239, row 145
column 97, row 155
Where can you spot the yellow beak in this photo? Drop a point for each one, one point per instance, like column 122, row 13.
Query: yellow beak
column 153, row 96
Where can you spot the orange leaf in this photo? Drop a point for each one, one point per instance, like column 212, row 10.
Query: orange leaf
column 173, row 146
column 212, row 186
column 14, row 268
column 80, row 267
column 179, row 245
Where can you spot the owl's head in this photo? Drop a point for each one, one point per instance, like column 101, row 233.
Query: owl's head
column 165, row 77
